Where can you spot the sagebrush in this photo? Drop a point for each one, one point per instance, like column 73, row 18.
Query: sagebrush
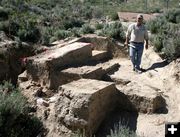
column 15, row 120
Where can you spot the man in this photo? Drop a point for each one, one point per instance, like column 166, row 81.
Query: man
column 137, row 34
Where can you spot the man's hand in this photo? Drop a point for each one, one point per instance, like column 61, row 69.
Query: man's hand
column 146, row 46
column 126, row 44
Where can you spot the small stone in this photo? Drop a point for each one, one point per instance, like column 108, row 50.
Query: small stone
column 52, row 99
column 41, row 101
column 45, row 103
column 46, row 113
column 28, row 86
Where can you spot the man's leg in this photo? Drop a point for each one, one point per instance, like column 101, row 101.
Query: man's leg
column 140, row 49
column 132, row 54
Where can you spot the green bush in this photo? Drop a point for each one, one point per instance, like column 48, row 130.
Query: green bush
column 62, row 34
column 72, row 22
column 4, row 14
column 113, row 30
column 97, row 12
column 14, row 118
column 99, row 26
column 166, row 30
column 157, row 25
column 122, row 131
column 173, row 15
column 46, row 34
column 4, row 25
column 87, row 12
column 86, row 29
column 158, row 43
column 75, row 32
column 9, row 27
column 114, row 16
column 171, row 48
column 28, row 31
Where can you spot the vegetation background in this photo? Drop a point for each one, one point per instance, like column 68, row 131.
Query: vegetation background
column 44, row 21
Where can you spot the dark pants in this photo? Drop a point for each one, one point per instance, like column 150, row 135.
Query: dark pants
column 135, row 53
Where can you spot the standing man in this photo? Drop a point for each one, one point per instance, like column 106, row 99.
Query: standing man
column 137, row 35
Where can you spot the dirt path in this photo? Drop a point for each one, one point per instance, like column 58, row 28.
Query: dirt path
column 159, row 78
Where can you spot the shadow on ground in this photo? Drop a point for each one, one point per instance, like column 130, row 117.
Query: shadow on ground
column 114, row 119
column 158, row 65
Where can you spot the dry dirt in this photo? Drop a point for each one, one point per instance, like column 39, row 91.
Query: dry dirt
column 159, row 76
column 129, row 16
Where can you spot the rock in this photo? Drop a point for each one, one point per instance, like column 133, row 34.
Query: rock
column 43, row 67
column 41, row 101
column 103, row 44
column 99, row 55
column 144, row 98
column 46, row 113
column 75, row 73
column 120, row 81
column 23, row 77
column 83, row 104
column 52, row 99
column 11, row 53
column 110, row 66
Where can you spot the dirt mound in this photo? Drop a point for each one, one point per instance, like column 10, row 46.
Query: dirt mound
column 130, row 16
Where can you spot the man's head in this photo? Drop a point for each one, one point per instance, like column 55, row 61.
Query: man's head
column 139, row 19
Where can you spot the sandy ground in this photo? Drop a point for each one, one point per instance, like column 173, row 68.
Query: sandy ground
column 158, row 76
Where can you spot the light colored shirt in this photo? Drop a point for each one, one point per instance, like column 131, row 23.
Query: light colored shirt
column 137, row 33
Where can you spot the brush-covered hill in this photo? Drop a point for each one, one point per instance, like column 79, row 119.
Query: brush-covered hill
column 44, row 21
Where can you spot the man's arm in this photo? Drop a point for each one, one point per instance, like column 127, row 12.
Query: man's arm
column 128, row 33
column 127, row 41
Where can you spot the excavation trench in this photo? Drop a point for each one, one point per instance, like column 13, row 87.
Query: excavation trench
column 79, row 91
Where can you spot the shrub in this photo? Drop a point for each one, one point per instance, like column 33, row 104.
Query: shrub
column 4, row 25
column 155, row 10
column 156, row 25
column 99, row 26
column 97, row 12
column 75, row 32
column 62, row 34
column 46, row 34
column 28, row 31
column 171, row 48
column 72, row 22
column 86, row 29
column 114, row 16
column 173, row 15
column 86, row 11
column 166, row 30
column 52, row 39
column 4, row 14
column 14, row 118
column 158, row 43
column 9, row 27
column 113, row 30
column 122, row 131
